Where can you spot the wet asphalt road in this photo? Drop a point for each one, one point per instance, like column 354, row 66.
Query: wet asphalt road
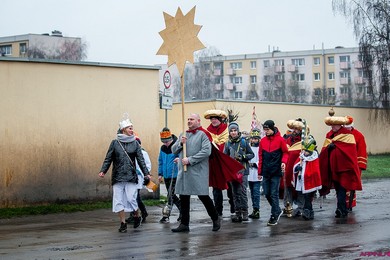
column 94, row 235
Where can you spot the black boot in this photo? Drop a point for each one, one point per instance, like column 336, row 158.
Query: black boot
column 137, row 221
column 181, row 228
column 123, row 228
column 144, row 215
column 216, row 224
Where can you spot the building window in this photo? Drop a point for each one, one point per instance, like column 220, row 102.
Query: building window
column 22, row 48
column 331, row 92
column 279, row 77
column 279, row 62
column 316, row 61
column 317, row 76
column 218, row 80
column 362, row 74
column 267, row 79
column 266, row 93
column 344, row 90
column 6, row 50
column 344, row 59
column 298, row 62
column 277, row 92
column 331, row 75
column 266, row 63
column 317, row 91
column 345, row 74
column 237, row 80
column 236, row 65
column 299, row 77
column 330, row 60
column 238, row 94
column 253, row 64
column 253, row 79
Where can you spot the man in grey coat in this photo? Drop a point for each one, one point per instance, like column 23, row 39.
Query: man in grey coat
column 195, row 179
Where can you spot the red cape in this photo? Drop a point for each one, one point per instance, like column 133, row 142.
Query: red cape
column 222, row 168
column 340, row 164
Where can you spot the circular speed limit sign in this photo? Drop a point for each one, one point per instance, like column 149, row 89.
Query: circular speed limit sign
column 167, row 79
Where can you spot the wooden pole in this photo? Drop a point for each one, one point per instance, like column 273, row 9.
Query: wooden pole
column 183, row 119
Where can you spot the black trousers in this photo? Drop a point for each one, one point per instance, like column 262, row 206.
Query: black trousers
column 341, row 198
column 218, row 199
column 185, row 208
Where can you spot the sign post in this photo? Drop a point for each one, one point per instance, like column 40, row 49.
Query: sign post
column 166, row 99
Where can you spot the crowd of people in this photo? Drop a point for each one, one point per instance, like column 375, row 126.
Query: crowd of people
column 285, row 167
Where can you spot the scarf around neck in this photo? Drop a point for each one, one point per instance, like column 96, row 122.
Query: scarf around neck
column 125, row 138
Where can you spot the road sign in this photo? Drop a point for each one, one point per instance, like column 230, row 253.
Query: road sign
column 167, row 79
column 166, row 102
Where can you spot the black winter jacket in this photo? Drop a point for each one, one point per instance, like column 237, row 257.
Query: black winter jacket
column 123, row 170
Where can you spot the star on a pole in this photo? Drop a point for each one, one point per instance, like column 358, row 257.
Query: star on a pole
column 180, row 39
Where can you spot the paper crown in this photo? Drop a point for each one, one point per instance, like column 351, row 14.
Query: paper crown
column 125, row 122
column 255, row 133
column 295, row 124
column 338, row 120
column 215, row 113
column 309, row 144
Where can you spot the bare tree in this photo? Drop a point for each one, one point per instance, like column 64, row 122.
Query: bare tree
column 69, row 50
column 371, row 25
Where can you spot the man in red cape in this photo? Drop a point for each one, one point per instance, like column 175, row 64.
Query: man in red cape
column 294, row 144
column 223, row 169
column 361, row 149
column 338, row 163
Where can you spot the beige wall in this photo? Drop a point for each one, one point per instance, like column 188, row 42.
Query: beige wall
column 376, row 132
column 57, row 121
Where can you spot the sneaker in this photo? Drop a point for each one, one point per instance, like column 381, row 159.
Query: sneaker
column 164, row 220
column 272, row 221
column 137, row 222
column 216, row 224
column 255, row 214
column 278, row 217
column 237, row 218
column 181, row 228
column 123, row 228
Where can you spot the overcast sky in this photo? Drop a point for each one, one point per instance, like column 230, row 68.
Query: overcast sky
column 126, row 31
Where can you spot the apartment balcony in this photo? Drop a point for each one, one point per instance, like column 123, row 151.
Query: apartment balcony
column 359, row 80
column 292, row 68
column 217, row 72
column 345, row 81
column 344, row 96
column 358, row 64
column 279, row 69
column 218, row 87
column 229, row 86
column 230, row 72
column 345, row 65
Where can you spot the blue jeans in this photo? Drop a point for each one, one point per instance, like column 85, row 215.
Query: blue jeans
column 271, row 192
column 254, row 187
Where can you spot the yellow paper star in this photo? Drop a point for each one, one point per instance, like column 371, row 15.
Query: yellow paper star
column 180, row 39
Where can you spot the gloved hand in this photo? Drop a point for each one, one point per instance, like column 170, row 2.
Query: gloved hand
column 239, row 157
column 298, row 168
column 331, row 146
column 146, row 180
column 254, row 165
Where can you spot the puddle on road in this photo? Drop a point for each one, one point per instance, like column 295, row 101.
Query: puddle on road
column 70, row 248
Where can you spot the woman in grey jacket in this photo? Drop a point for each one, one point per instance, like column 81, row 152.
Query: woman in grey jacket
column 122, row 153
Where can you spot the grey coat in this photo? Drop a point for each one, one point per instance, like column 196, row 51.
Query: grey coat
column 194, row 181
